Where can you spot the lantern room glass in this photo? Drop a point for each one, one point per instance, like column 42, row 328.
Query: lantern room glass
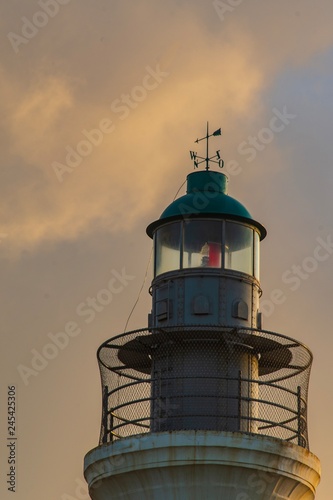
column 202, row 244
column 239, row 248
column 256, row 255
column 167, row 248
column 207, row 243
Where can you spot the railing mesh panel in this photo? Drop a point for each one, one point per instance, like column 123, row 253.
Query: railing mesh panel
column 205, row 378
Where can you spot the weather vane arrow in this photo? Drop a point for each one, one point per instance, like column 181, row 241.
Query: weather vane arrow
column 197, row 160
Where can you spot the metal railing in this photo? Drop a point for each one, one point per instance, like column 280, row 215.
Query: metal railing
column 269, row 399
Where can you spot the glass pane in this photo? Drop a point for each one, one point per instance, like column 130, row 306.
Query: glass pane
column 202, row 243
column 167, row 248
column 256, row 254
column 239, row 248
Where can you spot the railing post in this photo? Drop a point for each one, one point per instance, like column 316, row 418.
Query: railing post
column 105, row 414
column 299, row 417
column 239, row 399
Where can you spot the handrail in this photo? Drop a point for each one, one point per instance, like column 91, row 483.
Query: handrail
column 140, row 396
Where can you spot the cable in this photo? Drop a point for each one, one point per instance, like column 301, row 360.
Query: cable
column 179, row 190
column 146, row 273
column 143, row 283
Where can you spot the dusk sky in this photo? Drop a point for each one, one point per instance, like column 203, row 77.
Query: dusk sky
column 101, row 102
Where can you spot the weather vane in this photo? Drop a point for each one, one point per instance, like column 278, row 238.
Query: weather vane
column 214, row 159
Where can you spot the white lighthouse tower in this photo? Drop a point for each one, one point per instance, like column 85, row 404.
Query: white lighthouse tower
column 204, row 403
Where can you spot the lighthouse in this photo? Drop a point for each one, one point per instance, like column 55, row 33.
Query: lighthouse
column 204, row 403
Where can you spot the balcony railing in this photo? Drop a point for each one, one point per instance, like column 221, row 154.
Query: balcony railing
column 205, row 378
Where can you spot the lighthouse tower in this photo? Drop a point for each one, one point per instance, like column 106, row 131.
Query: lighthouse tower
column 204, row 403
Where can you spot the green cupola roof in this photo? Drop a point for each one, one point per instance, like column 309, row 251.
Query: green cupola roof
column 206, row 197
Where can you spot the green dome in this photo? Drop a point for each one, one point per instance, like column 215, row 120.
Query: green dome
column 206, row 197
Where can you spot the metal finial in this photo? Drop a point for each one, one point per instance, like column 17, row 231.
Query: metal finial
column 214, row 159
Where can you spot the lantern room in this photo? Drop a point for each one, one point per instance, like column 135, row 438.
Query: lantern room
column 206, row 228
column 205, row 243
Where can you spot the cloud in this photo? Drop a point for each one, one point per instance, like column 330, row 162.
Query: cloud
column 123, row 176
column 215, row 70
column 36, row 117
